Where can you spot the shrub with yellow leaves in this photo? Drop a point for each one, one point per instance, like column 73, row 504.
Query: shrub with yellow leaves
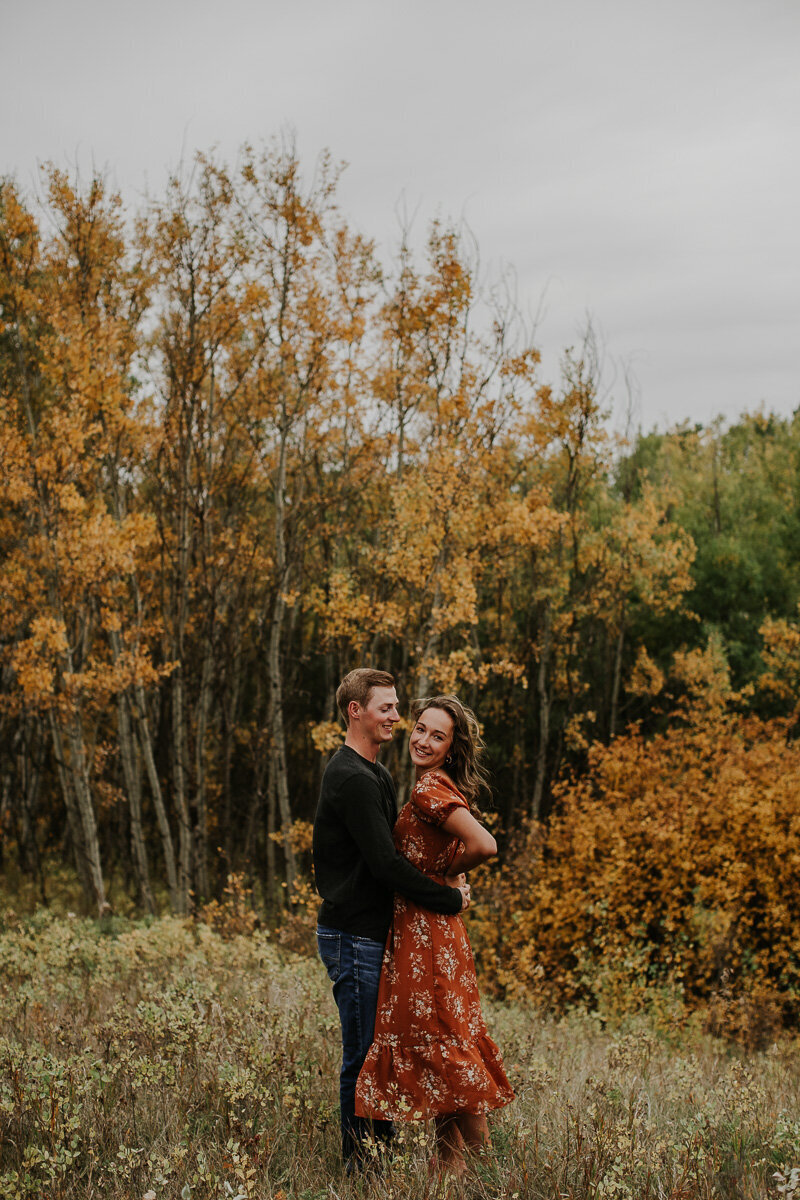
column 234, row 913
column 667, row 879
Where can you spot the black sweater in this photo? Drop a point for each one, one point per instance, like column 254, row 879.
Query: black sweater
column 356, row 865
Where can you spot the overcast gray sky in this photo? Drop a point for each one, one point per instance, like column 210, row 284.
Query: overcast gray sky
column 634, row 160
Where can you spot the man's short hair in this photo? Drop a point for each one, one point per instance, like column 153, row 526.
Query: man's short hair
column 358, row 685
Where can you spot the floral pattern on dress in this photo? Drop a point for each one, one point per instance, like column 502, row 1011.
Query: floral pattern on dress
column 432, row 1054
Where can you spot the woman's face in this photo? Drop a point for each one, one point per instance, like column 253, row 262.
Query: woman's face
column 431, row 738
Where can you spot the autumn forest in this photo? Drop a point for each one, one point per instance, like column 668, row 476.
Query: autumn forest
column 241, row 453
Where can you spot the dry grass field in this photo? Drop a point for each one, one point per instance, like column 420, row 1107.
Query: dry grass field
column 163, row 1059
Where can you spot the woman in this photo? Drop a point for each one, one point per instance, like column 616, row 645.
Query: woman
column 431, row 1055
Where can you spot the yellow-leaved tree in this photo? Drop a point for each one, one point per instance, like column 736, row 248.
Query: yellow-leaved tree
column 69, row 452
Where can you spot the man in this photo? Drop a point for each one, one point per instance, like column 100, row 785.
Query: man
column 358, row 870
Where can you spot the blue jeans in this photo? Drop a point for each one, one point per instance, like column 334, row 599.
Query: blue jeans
column 354, row 968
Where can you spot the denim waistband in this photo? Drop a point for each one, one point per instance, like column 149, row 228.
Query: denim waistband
column 354, row 937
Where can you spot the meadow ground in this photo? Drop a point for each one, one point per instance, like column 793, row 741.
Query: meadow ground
column 161, row 1059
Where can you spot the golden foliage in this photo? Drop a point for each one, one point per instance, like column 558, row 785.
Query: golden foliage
column 326, row 736
column 781, row 657
column 669, row 868
column 234, row 914
column 646, row 678
column 239, row 456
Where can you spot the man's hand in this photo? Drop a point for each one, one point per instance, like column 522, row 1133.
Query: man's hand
column 460, row 882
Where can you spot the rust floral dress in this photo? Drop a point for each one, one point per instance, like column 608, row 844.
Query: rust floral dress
column 432, row 1054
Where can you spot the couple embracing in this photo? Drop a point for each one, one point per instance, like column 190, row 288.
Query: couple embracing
column 414, row 1042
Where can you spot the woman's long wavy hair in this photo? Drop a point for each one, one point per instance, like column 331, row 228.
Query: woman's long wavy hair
column 465, row 754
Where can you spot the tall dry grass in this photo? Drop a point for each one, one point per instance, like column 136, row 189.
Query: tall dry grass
column 171, row 1059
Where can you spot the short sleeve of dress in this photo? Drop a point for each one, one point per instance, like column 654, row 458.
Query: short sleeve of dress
column 435, row 797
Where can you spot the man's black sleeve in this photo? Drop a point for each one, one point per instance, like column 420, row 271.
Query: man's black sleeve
column 366, row 822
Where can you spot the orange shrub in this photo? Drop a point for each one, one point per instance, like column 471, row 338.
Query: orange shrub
column 668, row 875
column 234, row 914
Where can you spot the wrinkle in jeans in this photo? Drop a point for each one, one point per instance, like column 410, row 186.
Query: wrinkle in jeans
column 354, row 968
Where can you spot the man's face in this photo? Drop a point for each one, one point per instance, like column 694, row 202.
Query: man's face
column 379, row 717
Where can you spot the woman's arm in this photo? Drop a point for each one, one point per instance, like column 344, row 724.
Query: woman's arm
column 363, row 815
column 478, row 843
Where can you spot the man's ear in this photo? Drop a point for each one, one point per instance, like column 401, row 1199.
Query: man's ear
column 354, row 710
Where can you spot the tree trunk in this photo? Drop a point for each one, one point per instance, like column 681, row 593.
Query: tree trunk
column 544, row 715
column 232, row 837
column 5, row 808
column 76, row 790
column 132, row 772
column 201, row 790
column 612, row 725
column 278, row 777
column 146, row 744
column 29, row 773
column 272, row 866
column 179, row 783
